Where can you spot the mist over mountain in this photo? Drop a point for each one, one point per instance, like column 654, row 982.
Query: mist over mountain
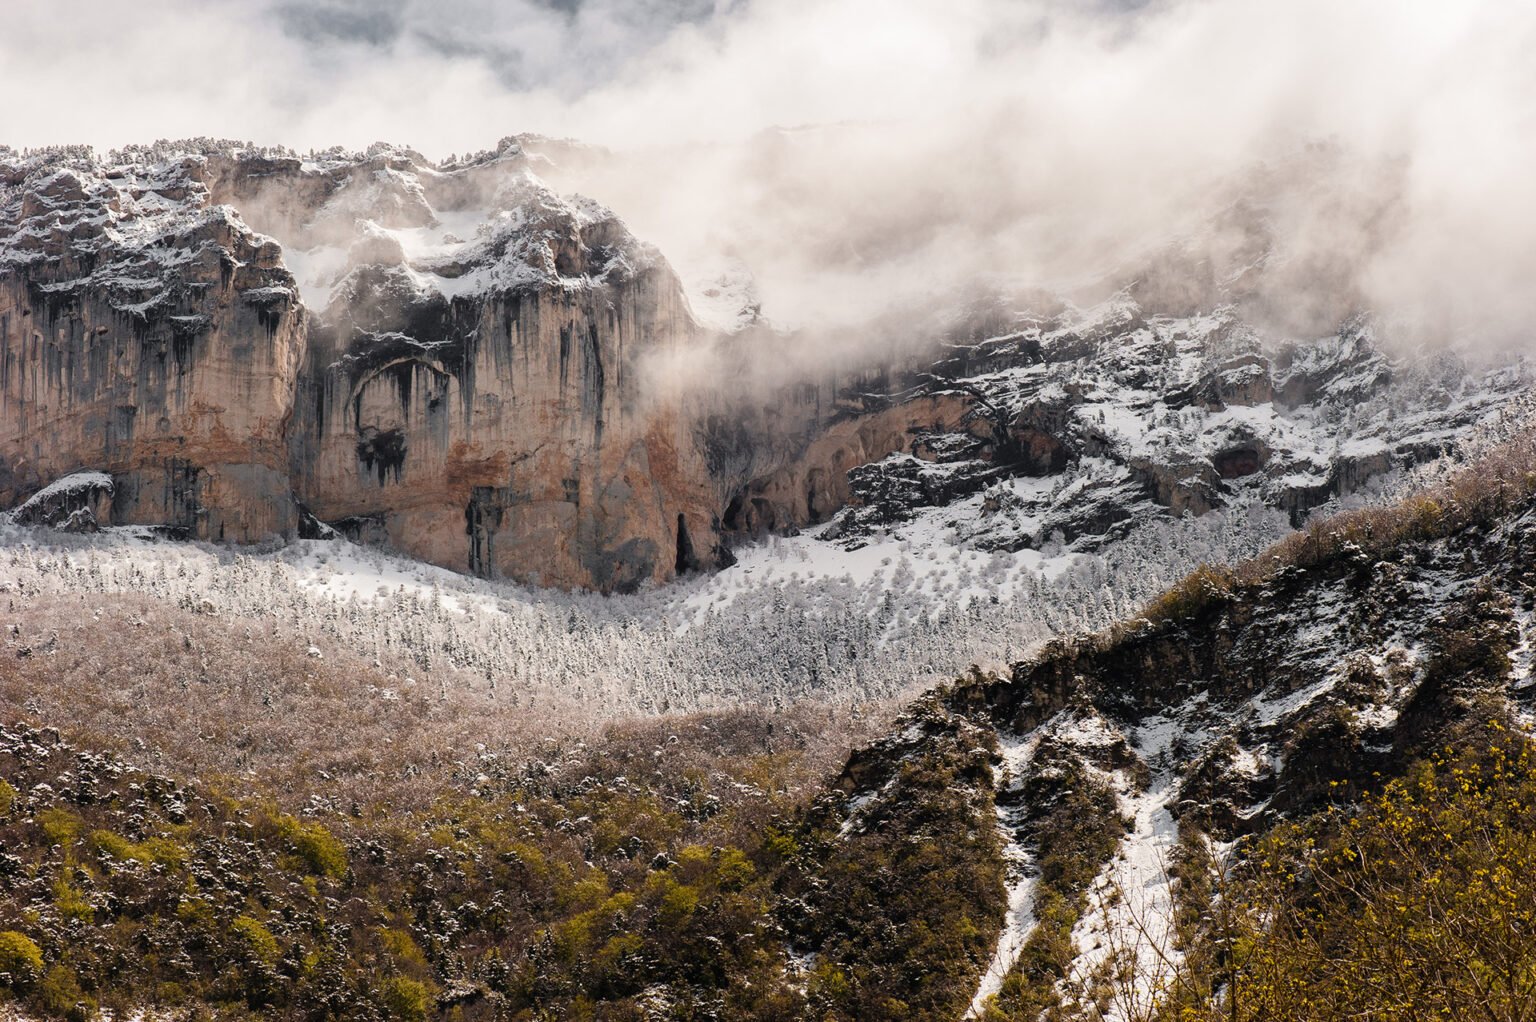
column 892, row 148
column 748, row 510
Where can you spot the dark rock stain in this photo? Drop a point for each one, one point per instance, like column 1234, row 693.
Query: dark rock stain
column 381, row 452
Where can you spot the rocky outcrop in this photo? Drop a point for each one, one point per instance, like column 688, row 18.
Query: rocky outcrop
column 148, row 335
column 461, row 363
column 507, row 430
column 487, row 400
column 828, row 473
column 1083, row 423
column 80, row 502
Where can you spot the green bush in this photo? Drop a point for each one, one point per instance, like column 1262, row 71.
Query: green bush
column 20, row 958
column 148, row 852
column 60, row 826
column 1421, row 904
column 60, row 996
column 255, row 942
column 318, row 847
column 406, row 999
column 71, row 901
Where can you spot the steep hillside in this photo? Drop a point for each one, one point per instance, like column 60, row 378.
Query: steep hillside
column 1243, row 697
column 1132, row 770
column 1045, row 841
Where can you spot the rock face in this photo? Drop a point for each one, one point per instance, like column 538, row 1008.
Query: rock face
column 459, row 362
column 1078, row 425
column 504, row 426
column 479, row 404
column 151, row 336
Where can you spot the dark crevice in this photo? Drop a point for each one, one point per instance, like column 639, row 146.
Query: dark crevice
column 686, row 560
column 482, row 520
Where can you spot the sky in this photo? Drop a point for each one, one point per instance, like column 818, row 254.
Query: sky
column 449, row 74
column 852, row 149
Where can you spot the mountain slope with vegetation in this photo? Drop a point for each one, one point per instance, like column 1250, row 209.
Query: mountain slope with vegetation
column 1183, row 816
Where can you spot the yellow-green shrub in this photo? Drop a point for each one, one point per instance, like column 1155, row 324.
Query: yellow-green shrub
column 318, row 847
column 1421, row 905
column 406, row 999
column 60, row 825
column 71, row 901
column 20, row 958
column 148, row 852
column 255, row 941
column 60, row 996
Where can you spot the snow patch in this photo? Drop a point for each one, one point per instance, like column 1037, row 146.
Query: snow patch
column 1019, row 871
column 75, row 482
column 1130, row 917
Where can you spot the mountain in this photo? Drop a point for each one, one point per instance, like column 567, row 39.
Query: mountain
column 457, row 362
column 1042, row 840
column 151, row 333
column 338, row 679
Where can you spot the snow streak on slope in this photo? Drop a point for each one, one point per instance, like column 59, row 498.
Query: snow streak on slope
column 1019, row 863
column 1128, row 927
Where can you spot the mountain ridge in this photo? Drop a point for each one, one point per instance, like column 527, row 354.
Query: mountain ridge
column 459, row 363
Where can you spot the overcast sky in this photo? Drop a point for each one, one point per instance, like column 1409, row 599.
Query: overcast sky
column 455, row 74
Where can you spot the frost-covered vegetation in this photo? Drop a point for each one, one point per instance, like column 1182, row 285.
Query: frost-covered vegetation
column 789, row 622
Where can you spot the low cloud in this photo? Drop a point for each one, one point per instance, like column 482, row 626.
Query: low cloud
column 859, row 155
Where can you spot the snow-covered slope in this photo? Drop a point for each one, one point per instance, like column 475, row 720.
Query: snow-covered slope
column 1088, row 421
column 786, row 623
column 1238, row 700
column 796, row 617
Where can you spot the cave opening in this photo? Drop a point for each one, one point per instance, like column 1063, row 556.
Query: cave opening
column 686, row 561
column 733, row 514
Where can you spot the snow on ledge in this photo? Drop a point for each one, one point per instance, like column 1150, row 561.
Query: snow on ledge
column 72, row 483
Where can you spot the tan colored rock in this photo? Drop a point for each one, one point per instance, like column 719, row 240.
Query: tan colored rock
column 814, row 483
column 170, row 365
column 506, row 431
column 488, row 404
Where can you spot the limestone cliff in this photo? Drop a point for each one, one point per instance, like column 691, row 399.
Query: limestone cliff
column 478, row 401
column 149, row 335
column 457, row 361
